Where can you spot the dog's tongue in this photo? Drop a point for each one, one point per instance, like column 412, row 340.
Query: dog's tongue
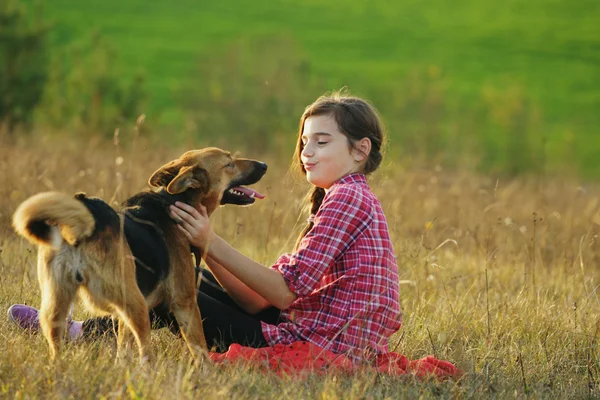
column 249, row 192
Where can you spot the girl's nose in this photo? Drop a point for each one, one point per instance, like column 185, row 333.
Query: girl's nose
column 307, row 151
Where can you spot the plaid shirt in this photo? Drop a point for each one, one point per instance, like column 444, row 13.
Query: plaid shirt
column 345, row 275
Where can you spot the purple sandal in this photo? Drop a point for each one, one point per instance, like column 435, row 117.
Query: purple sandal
column 25, row 317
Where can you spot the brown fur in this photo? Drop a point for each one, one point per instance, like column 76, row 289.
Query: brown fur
column 101, row 268
column 71, row 216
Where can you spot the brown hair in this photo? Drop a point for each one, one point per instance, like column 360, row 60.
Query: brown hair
column 356, row 119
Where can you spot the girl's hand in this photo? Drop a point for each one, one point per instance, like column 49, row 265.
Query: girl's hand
column 193, row 223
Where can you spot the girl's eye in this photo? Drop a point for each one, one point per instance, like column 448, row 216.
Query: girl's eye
column 320, row 143
column 230, row 165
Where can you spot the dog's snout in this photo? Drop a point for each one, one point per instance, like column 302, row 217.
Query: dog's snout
column 262, row 165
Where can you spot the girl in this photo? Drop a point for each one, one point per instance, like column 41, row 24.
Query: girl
column 339, row 288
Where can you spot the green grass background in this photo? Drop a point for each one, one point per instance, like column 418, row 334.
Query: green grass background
column 545, row 53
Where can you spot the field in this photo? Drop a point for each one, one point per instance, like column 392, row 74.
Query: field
column 515, row 84
column 489, row 183
column 372, row 44
column 500, row 276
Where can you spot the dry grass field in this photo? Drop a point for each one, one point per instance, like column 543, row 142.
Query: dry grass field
column 499, row 276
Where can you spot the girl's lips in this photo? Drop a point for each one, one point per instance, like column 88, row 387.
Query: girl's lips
column 309, row 166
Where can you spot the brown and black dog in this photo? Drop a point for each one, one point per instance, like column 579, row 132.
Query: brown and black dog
column 124, row 263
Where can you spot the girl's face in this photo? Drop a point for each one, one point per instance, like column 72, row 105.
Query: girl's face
column 327, row 155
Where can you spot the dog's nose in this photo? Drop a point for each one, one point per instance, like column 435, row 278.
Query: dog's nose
column 262, row 165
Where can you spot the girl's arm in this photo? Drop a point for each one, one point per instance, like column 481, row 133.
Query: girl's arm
column 266, row 282
column 245, row 297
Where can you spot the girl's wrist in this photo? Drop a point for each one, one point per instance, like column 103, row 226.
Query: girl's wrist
column 201, row 241
column 211, row 238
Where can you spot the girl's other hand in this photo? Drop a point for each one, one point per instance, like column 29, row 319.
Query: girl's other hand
column 195, row 224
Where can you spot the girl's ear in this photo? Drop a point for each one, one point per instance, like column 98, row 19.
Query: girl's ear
column 362, row 149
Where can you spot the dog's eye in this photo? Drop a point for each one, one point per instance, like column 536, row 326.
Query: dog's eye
column 230, row 165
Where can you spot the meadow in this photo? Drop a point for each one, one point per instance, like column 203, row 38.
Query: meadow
column 362, row 44
column 512, row 87
column 499, row 276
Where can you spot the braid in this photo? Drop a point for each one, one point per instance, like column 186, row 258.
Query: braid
column 316, row 198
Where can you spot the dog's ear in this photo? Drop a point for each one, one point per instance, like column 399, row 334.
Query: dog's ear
column 189, row 177
column 165, row 174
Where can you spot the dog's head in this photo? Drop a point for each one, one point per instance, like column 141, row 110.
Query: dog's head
column 212, row 177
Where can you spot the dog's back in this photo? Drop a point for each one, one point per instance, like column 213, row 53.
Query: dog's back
column 145, row 218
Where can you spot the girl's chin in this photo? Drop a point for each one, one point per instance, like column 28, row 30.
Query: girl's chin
column 314, row 180
column 311, row 178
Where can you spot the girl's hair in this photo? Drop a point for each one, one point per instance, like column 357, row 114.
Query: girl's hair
column 356, row 119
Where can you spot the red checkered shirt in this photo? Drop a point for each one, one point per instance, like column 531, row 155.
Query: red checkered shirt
column 345, row 275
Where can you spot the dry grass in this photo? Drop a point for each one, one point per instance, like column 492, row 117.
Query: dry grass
column 499, row 276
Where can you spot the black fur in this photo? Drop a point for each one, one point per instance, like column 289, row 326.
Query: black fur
column 104, row 215
column 39, row 229
column 146, row 239
column 144, row 214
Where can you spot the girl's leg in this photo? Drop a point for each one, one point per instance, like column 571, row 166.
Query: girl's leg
column 26, row 317
column 96, row 327
column 224, row 322
column 271, row 315
column 224, row 325
column 160, row 317
column 212, row 288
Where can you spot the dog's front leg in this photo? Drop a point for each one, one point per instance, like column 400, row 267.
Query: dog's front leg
column 134, row 318
column 184, row 305
column 188, row 317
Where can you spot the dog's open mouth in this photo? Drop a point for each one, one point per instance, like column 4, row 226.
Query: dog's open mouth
column 240, row 195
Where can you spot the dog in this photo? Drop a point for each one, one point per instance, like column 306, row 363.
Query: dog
column 125, row 262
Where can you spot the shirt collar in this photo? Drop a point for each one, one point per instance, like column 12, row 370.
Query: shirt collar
column 355, row 177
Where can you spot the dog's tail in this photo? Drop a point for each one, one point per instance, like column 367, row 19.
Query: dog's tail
column 49, row 218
